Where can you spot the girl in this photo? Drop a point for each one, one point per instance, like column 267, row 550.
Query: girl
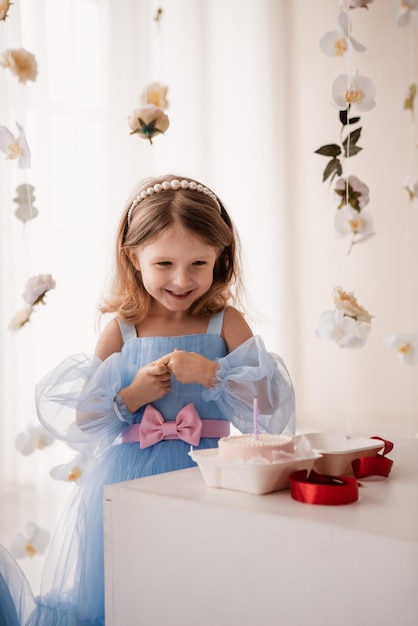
column 174, row 366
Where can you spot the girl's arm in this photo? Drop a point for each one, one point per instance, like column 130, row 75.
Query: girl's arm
column 151, row 382
column 247, row 371
column 110, row 341
column 189, row 367
column 235, row 329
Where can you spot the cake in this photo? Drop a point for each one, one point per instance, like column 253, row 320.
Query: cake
column 245, row 447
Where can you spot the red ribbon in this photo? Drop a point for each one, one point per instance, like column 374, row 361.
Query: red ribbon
column 377, row 465
column 320, row 489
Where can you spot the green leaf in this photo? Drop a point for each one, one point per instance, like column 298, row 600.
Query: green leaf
column 331, row 149
column 353, row 151
column 354, row 136
column 349, row 143
column 409, row 101
column 349, row 196
column 333, row 168
column 345, row 120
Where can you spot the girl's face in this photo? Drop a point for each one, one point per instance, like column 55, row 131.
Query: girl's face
column 176, row 267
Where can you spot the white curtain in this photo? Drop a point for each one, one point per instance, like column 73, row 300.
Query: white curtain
column 94, row 58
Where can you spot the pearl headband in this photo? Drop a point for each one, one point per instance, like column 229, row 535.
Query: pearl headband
column 166, row 185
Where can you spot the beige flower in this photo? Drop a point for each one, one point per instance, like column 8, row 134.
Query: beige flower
column 21, row 63
column 347, row 303
column 148, row 121
column 21, row 318
column 4, row 7
column 155, row 94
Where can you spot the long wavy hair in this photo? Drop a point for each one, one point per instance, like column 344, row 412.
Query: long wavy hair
column 196, row 212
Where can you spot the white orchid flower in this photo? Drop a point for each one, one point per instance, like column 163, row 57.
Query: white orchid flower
column 348, row 221
column 34, row 438
column 406, row 346
column 403, row 11
column 34, row 542
column 355, row 90
column 73, row 470
column 15, row 147
column 351, row 191
column 347, row 332
column 337, row 43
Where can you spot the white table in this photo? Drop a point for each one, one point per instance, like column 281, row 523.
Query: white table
column 179, row 552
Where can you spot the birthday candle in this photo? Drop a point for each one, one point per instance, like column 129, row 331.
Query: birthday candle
column 255, row 417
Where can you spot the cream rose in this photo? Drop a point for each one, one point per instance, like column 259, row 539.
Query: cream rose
column 21, row 63
column 155, row 94
column 148, row 121
column 347, row 303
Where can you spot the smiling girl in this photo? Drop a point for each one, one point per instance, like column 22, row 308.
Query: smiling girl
column 175, row 365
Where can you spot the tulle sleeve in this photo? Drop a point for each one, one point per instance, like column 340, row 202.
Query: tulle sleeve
column 77, row 400
column 250, row 371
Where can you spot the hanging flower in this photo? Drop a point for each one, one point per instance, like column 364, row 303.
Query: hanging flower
column 355, row 90
column 34, row 542
column 406, row 345
column 72, row 471
column 148, row 121
column 411, row 186
column 345, row 331
column 33, row 438
column 351, row 191
column 337, row 43
column 24, row 199
column 21, row 63
column 355, row 4
column 21, row 318
column 15, row 147
column 155, row 94
column 348, row 324
column 409, row 102
column 34, row 293
column 348, row 221
column 347, row 303
column 37, row 287
column 4, row 7
column 403, row 11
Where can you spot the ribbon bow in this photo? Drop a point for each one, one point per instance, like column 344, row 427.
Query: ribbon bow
column 153, row 428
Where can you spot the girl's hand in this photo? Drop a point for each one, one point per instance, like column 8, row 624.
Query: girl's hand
column 151, row 382
column 190, row 367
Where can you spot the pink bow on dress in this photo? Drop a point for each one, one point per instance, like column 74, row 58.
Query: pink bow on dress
column 187, row 426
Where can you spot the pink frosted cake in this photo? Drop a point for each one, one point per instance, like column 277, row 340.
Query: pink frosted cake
column 245, row 447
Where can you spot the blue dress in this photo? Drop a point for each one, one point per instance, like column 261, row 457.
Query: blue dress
column 72, row 590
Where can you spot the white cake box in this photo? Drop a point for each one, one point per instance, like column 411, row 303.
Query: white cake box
column 252, row 477
column 338, row 451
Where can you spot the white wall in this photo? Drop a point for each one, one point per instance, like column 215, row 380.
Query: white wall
column 367, row 389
